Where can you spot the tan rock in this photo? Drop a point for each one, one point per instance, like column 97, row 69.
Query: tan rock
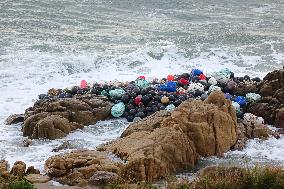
column 53, row 127
column 211, row 125
column 101, row 178
column 56, row 118
column 4, row 168
column 37, row 178
column 18, row 169
column 153, row 155
column 147, row 124
column 77, row 167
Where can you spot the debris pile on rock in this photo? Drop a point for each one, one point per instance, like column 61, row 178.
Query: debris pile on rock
column 142, row 98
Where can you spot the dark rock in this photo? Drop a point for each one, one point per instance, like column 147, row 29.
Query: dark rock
column 14, row 118
column 32, row 170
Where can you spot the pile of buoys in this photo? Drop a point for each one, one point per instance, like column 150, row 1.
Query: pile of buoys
column 140, row 98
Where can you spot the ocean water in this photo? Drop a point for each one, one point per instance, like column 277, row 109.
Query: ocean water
column 57, row 43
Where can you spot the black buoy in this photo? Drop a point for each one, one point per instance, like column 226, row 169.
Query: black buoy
column 198, row 93
column 140, row 114
column 145, row 99
column 172, row 97
column 132, row 112
column 162, row 107
column 130, row 118
column 155, row 108
column 125, row 98
column 177, row 103
column 144, row 91
column 42, row 96
column 256, row 79
column 68, row 95
column 246, row 78
column 74, row 90
column 152, row 92
column 129, row 106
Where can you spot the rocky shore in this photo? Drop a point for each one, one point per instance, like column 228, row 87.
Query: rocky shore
column 175, row 121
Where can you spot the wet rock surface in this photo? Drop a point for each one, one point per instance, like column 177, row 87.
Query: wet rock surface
column 252, row 127
column 14, row 118
column 56, row 118
column 270, row 107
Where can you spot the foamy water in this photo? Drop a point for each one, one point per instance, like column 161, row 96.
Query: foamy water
column 59, row 43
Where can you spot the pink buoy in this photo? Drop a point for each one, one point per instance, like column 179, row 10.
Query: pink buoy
column 83, row 84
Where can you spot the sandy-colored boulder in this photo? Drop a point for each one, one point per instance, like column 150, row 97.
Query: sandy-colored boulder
column 57, row 117
column 211, row 125
column 77, row 167
column 18, row 169
column 37, row 178
column 147, row 124
column 53, row 127
column 101, row 178
column 153, row 155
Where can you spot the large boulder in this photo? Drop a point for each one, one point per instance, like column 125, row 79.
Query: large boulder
column 18, row 169
column 211, row 125
column 150, row 123
column 272, row 92
column 169, row 142
column 55, row 118
column 77, row 167
column 153, row 155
